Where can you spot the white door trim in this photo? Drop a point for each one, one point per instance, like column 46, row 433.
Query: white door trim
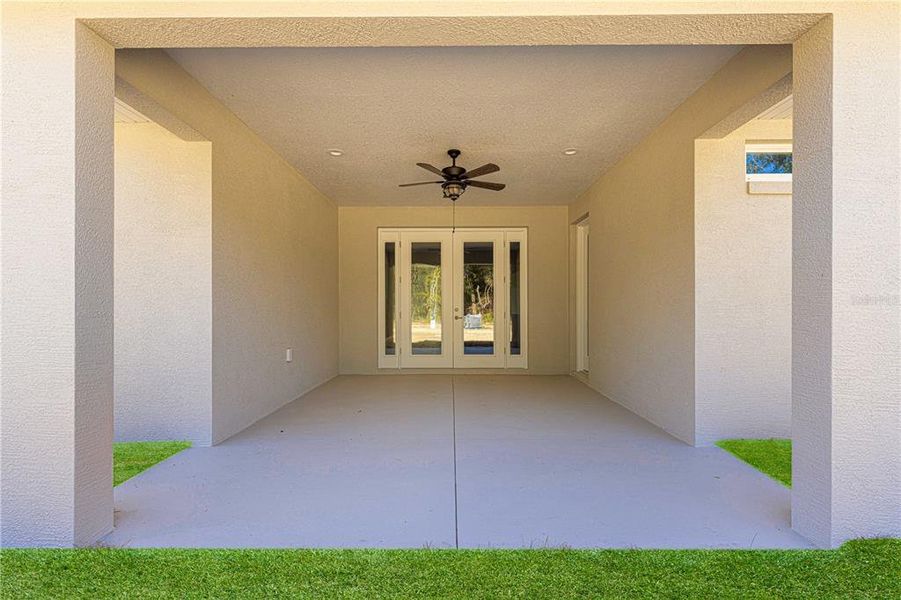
column 452, row 330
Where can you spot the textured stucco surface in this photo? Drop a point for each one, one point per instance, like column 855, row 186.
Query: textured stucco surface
column 866, row 268
column 274, row 256
column 57, row 253
column 777, row 92
column 742, row 294
column 641, row 289
column 846, row 373
column 303, row 101
column 585, row 27
column 156, row 113
column 811, row 285
column 94, row 293
column 548, row 326
column 163, row 300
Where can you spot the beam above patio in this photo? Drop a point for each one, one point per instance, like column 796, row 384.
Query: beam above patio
column 381, row 31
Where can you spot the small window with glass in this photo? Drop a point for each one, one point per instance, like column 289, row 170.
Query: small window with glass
column 768, row 162
column 768, row 167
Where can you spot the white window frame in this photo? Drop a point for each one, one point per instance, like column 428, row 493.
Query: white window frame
column 521, row 360
column 389, row 361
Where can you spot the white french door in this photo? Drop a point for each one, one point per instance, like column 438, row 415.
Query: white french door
column 452, row 299
column 426, row 314
column 479, row 305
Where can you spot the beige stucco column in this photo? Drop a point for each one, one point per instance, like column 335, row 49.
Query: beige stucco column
column 847, row 255
column 57, row 280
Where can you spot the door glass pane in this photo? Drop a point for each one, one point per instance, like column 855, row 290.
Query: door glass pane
column 390, row 325
column 478, row 298
column 515, row 312
column 425, row 305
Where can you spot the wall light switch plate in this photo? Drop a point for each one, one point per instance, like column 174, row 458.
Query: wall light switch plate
column 289, row 354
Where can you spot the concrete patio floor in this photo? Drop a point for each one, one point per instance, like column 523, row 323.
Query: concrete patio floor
column 476, row 461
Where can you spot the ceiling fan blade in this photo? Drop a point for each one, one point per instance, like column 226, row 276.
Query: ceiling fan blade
column 483, row 170
column 420, row 183
column 429, row 167
column 486, row 184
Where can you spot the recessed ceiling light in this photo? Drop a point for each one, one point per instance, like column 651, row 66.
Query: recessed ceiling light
column 335, row 152
column 570, row 151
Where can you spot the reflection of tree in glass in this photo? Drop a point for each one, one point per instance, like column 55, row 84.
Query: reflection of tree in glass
column 768, row 162
column 478, row 288
column 426, row 283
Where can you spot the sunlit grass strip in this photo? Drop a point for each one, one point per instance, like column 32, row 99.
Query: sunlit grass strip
column 130, row 458
column 772, row 456
column 861, row 569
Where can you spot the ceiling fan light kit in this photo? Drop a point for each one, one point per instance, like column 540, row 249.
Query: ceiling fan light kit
column 457, row 179
column 453, row 190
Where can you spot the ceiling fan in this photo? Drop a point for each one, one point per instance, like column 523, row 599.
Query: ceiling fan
column 457, row 179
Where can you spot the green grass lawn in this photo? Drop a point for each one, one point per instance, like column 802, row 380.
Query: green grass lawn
column 773, row 456
column 859, row 569
column 130, row 458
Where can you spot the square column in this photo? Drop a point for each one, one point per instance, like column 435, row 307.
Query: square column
column 846, row 322
column 57, row 279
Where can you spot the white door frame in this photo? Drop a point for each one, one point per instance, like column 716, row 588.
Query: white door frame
column 452, row 330
column 582, row 256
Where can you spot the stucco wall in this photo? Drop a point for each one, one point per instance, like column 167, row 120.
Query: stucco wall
column 163, row 270
column 274, row 256
column 742, row 293
column 548, row 279
column 641, row 289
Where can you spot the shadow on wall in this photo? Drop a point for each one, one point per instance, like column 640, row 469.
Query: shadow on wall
column 743, row 289
column 163, row 277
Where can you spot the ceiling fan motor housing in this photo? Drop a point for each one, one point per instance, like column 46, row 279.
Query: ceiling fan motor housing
column 453, row 171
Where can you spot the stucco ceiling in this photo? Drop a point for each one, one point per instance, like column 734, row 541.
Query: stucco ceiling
column 388, row 108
